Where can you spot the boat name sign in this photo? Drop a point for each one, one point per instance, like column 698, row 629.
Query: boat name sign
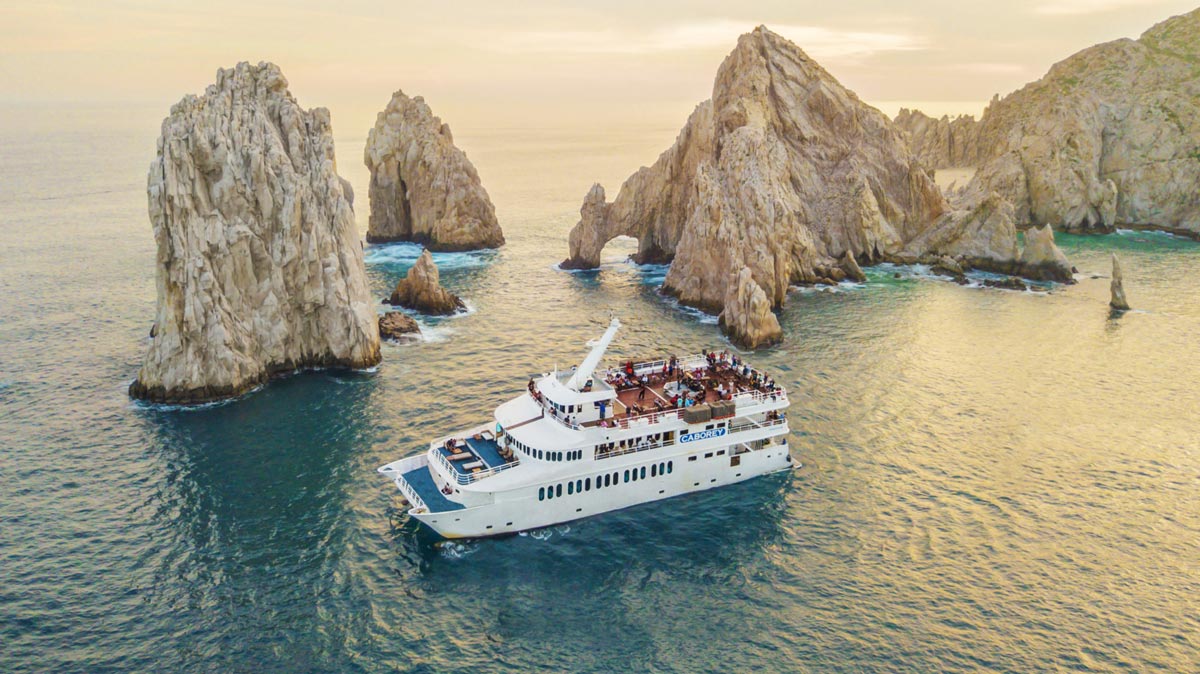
column 703, row 435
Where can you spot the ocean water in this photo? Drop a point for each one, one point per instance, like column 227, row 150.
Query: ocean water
column 992, row 480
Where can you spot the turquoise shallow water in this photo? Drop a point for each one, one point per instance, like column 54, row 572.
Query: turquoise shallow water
column 992, row 481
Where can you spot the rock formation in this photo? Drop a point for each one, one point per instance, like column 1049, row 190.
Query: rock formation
column 941, row 143
column 423, row 188
column 1110, row 136
column 783, row 173
column 747, row 316
column 396, row 324
column 421, row 289
column 1117, row 288
column 1041, row 259
column 260, row 268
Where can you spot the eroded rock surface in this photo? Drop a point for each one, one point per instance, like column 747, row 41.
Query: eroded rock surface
column 943, row 142
column 1109, row 136
column 423, row 187
column 1117, row 287
column 421, row 289
column 747, row 317
column 786, row 174
column 260, row 267
column 396, row 324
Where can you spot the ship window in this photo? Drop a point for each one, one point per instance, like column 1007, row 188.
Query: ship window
column 654, row 471
column 626, row 476
column 721, row 453
column 708, row 427
column 570, row 488
column 614, row 478
column 606, row 482
column 578, row 486
column 708, row 455
column 558, row 490
column 550, row 492
column 670, row 466
column 587, row 484
column 541, row 493
column 643, row 472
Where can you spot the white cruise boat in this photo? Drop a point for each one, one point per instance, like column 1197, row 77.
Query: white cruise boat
column 580, row 443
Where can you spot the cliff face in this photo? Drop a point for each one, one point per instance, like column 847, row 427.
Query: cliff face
column 1109, row 136
column 783, row 173
column 260, row 267
column 423, row 188
column 940, row 143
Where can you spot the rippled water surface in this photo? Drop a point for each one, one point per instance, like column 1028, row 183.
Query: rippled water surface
column 992, row 480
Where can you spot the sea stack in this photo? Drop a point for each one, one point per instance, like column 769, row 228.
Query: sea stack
column 1117, row 288
column 396, row 324
column 423, row 187
column 421, row 289
column 1110, row 135
column 259, row 265
column 784, row 173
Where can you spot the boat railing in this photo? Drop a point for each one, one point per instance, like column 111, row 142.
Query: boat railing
column 411, row 494
column 759, row 397
column 470, row 477
column 747, row 424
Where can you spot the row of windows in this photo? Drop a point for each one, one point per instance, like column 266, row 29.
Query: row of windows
column 541, row 455
column 606, row 480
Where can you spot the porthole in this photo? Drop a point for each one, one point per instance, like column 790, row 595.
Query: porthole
column 541, row 493
column 558, row 490
column 653, row 471
column 643, row 472
column 587, row 484
column 570, row 488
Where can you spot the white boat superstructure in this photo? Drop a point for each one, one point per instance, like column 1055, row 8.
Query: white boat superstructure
column 579, row 443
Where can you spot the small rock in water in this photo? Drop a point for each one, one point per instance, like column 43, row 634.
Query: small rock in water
column 395, row 324
column 1117, row 288
column 1009, row 283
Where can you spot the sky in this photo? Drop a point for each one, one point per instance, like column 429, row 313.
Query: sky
column 540, row 63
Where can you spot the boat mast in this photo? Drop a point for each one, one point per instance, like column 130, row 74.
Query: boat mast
column 584, row 372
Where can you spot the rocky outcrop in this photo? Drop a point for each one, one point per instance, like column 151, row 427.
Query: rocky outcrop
column 783, row 175
column 259, row 264
column 423, row 187
column 747, row 316
column 1108, row 137
column 1041, row 259
column 940, row 143
column 396, row 324
column 1117, row 287
column 421, row 289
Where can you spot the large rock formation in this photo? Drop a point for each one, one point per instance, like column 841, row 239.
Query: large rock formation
column 423, row 188
column 783, row 173
column 1117, row 287
column 941, row 143
column 260, row 267
column 1110, row 136
column 421, row 289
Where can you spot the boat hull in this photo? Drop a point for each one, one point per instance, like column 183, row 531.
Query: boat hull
column 522, row 510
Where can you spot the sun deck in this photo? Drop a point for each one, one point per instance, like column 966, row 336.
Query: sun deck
column 474, row 457
column 422, row 483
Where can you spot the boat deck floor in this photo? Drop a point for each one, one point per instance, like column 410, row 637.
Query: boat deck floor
column 628, row 398
column 422, row 483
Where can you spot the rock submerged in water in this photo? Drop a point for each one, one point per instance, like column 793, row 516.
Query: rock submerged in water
column 421, row 289
column 1117, row 287
column 1041, row 259
column 423, row 187
column 259, row 264
column 396, row 324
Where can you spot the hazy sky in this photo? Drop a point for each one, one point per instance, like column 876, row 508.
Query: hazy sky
column 568, row 63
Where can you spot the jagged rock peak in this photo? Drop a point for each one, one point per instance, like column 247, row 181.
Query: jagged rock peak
column 747, row 316
column 259, row 265
column 421, row 289
column 423, row 187
column 1117, row 287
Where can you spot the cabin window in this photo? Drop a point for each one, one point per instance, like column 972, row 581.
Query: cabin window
column 627, row 476
column 721, row 453
column 643, row 472
column 691, row 458
column 578, row 486
column 558, row 490
column 654, row 471
column 541, row 493
column 570, row 488
column 587, row 484
column 550, row 492
column 614, row 478
column 670, row 466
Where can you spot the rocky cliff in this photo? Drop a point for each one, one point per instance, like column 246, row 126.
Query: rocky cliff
column 941, row 143
column 423, row 187
column 259, row 264
column 421, row 289
column 1110, row 136
column 783, row 173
